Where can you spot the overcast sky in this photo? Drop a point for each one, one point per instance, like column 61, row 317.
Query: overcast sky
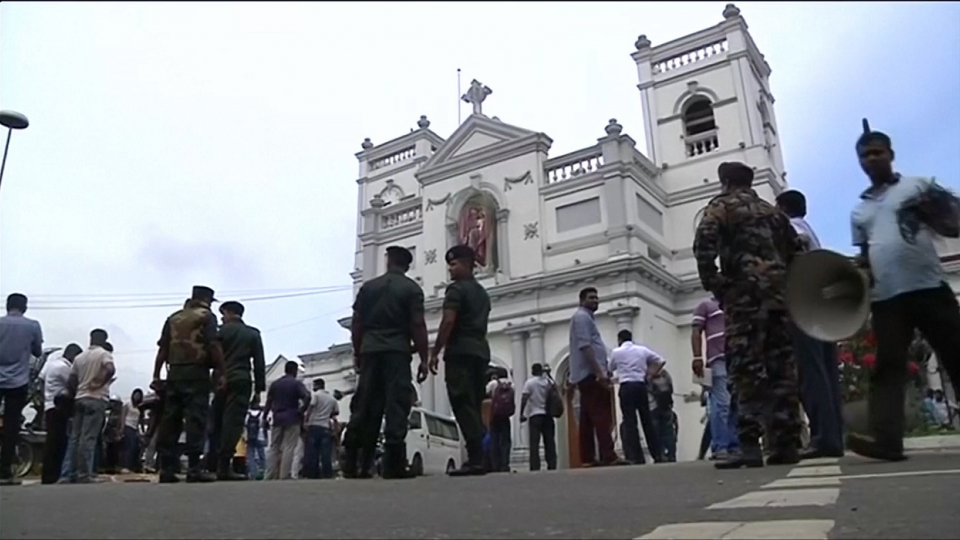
column 174, row 144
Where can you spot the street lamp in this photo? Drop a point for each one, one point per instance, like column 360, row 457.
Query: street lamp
column 11, row 120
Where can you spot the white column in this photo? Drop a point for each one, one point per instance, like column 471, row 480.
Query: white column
column 537, row 356
column 503, row 242
column 518, row 361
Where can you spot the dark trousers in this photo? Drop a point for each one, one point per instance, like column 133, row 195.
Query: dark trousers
column 56, row 421
column 466, row 379
column 820, row 393
column 705, row 441
column 131, row 449
column 634, row 402
column 596, row 422
column 318, row 453
column 185, row 408
column 229, row 413
column 663, row 417
column 936, row 313
column 500, row 444
column 14, row 400
column 543, row 427
column 386, row 379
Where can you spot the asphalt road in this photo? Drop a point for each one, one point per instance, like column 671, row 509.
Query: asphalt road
column 623, row 502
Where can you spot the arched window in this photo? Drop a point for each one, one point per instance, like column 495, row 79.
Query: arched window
column 698, row 116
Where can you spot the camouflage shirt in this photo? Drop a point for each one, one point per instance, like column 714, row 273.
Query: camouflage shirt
column 187, row 337
column 755, row 243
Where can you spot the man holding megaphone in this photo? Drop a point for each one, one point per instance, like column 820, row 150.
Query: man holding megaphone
column 755, row 243
column 894, row 226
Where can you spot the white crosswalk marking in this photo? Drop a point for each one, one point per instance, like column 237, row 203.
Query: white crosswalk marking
column 812, row 481
column 810, row 529
column 778, row 498
column 830, row 470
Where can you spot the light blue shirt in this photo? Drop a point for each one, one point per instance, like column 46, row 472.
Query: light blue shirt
column 584, row 333
column 898, row 266
column 20, row 340
column 802, row 227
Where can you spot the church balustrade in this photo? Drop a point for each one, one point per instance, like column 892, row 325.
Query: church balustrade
column 573, row 165
column 397, row 218
column 702, row 143
column 393, row 159
column 686, row 58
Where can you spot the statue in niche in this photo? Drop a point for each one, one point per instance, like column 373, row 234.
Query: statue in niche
column 476, row 229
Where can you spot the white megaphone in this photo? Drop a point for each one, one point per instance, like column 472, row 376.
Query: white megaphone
column 827, row 295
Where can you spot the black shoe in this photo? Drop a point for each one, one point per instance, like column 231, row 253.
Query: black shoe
column 395, row 464
column 167, row 477
column 230, row 476
column 867, row 446
column 200, row 476
column 468, row 469
column 751, row 459
column 784, row 456
column 816, row 453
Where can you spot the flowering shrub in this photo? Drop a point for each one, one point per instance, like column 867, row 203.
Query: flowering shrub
column 858, row 358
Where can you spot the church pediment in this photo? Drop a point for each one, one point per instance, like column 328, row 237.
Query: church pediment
column 476, row 133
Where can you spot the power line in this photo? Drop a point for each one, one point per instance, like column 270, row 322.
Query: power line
column 266, row 331
column 120, row 297
column 180, row 304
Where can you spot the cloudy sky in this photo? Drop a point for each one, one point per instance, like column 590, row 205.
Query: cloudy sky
column 173, row 144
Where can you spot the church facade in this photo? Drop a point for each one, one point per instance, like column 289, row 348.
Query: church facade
column 606, row 216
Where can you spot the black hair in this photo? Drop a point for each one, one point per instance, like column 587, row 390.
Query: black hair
column 586, row 291
column 17, row 302
column 319, row 383
column 536, row 369
column 461, row 253
column 872, row 137
column 72, row 350
column 625, row 335
column 233, row 307
column 400, row 257
column 98, row 336
column 291, row 367
column 793, row 202
column 735, row 174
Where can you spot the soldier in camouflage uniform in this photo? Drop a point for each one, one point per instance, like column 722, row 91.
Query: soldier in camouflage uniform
column 755, row 243
column 189, row 347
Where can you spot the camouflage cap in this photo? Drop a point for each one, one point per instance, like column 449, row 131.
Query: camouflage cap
column 201, row 291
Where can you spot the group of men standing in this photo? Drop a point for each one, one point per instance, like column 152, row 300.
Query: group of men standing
column 894, row 225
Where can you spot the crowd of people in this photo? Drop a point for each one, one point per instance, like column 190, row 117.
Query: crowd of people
column 759, row 371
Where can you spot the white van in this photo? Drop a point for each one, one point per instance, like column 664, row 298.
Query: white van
column 434, row 443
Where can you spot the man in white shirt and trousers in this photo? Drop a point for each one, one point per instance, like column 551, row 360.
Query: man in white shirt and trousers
column 817, row 365
column 533, row 408
column 634, row 366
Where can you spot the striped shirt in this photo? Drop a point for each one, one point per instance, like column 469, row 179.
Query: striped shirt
column 709, row 317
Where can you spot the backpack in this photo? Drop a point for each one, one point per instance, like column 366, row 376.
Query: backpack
column 504, row 403
column 554, row 403
column 253, row 426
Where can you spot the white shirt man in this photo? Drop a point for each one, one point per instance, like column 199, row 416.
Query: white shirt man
column 634, row 365
column 533, row 408
column 55, row 374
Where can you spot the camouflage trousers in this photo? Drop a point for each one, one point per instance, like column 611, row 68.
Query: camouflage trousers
column 759, row 350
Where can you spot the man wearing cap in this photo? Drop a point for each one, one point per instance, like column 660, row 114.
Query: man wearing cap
column 387, row 316
column 755, row 243
column 463, row 336
column 189, row 347
column 241, row 343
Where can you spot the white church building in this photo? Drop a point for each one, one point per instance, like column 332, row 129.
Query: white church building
column 606, row 216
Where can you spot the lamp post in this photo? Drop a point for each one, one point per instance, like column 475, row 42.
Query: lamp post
column 11, row 120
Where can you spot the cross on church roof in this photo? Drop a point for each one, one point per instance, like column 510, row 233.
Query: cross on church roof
column 476, row 95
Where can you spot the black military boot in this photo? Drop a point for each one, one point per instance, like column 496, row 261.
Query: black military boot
column 474, row 464
column 168, row 474
column 749, row 456
column 196, row 474
column 225, row 472
column 787, row 455
column 395, row 463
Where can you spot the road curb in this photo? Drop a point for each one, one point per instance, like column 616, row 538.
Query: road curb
column 933, row 442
